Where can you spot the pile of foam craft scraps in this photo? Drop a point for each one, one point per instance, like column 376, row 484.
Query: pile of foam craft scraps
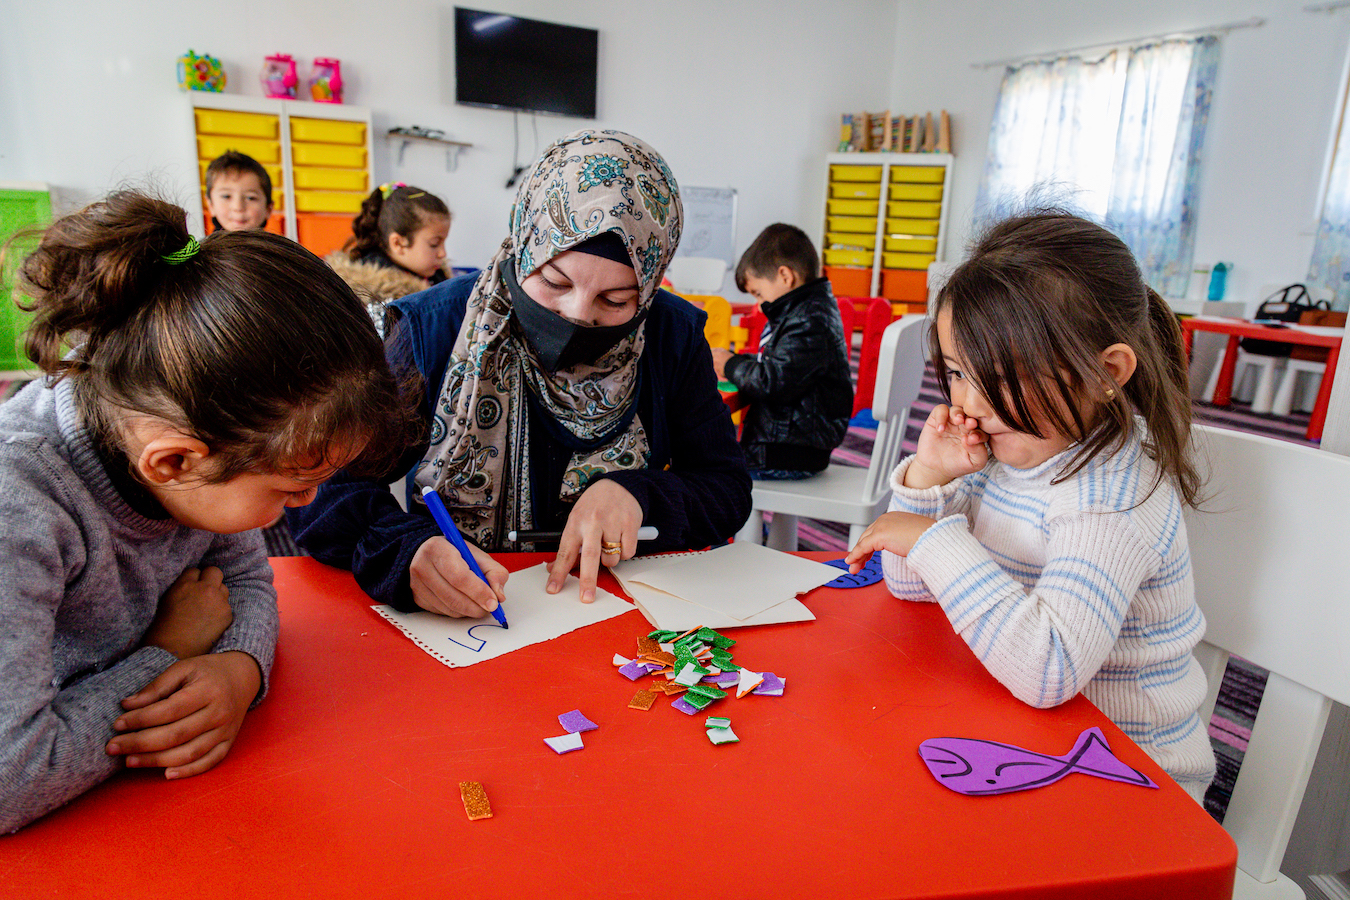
column 574, row 723
column 696, row 668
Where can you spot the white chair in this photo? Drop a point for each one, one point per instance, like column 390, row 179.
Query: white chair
column 1269, row 371
column 1273, row 592
column 1283, row 404
column 850, row 493
column 696, row 274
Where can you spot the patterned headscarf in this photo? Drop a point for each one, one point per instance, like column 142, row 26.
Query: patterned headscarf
column 587, row 183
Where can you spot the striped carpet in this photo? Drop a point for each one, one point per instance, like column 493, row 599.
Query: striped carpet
column 1240, row 694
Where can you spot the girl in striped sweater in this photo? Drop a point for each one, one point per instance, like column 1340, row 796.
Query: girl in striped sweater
column 1042, row 510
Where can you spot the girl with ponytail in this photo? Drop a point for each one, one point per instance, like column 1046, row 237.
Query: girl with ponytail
column 193, row 392
column 1042, row 509
column 397, row 245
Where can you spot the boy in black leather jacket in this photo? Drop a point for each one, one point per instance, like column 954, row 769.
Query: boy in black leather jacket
column 798, row 384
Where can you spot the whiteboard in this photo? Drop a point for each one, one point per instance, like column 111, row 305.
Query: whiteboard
column 709, row 223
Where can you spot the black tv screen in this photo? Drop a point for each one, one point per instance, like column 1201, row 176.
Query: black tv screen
column 513, row 63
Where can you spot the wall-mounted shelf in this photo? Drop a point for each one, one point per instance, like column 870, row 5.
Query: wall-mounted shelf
column 406, row 135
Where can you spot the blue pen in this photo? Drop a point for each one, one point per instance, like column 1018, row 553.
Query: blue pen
column 451, row 532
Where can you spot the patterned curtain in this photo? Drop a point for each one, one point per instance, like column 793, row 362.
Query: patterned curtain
column 1117, row 139
column 1330, row 266
column 1053, row 136
column 1156, row 177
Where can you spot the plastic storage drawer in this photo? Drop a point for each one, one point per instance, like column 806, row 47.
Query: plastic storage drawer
column 911, row 245
column 846, row 172
column 912, row 226
column 330, row 179
column 209, row 146
column 853, row 207
column 851, row 223
column 273, row 172
column 238, row 124
column 328, row 201
column 907, row 260
column 908, row 285
column 849, row 257
column 856, row 240
column 902, row 191
column 337, row 155
column 328, row 131
column 922, row 174
column 914, row 209
column 860, row 190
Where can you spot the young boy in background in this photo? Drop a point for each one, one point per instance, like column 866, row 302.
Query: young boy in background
column 798, row 384
column 238, row 192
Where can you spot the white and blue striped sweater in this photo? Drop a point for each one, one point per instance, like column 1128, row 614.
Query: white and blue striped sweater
column 1071, row 587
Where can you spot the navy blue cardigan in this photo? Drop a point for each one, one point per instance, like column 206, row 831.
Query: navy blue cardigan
column 695, row 489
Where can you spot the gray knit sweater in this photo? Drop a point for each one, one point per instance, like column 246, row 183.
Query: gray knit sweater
column 81, row 575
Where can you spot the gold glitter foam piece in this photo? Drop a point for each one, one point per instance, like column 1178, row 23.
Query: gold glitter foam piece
column 643, row 699
column 647, row 646
column 475, row 800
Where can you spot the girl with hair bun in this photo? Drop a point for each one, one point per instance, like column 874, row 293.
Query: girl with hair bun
column 207, row 388
column 397, row 245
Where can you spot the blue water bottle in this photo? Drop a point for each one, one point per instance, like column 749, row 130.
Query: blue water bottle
column 1217, row 277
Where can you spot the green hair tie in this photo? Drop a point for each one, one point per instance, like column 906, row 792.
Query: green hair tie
column 181, row 256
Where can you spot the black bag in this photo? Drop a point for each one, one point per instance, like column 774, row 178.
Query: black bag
column 1285, row 305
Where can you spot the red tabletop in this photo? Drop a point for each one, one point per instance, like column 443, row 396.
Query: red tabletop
column 1236, row 329
column 344, row 782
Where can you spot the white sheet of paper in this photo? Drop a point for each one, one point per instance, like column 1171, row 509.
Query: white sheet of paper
column 534, row 615
column 739, row 579
column 671, row 613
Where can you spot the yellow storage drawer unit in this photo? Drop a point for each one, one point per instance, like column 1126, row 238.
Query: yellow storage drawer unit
column 895, row 203
column 924, row 174
column 327, row 131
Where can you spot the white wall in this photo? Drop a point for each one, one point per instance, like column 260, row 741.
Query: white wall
column 744, row 94
column 1270, row 119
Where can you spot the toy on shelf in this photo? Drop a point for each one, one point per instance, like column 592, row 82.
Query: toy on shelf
column 325, row 82
column 278, row 76
column 200, row 73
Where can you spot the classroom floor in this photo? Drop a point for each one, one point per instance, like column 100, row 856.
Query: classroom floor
column 1240, row 694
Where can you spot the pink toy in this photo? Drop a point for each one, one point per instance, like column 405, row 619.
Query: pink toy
column 278, row 76
column 325, row 82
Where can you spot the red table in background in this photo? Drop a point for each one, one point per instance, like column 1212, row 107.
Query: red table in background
column 1306, row 335
column 344, row 782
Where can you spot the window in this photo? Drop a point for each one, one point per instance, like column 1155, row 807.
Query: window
column 1117, row 138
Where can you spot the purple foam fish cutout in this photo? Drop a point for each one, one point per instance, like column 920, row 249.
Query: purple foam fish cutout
column 976, row 767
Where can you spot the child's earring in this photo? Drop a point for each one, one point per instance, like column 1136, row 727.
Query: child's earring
column 1110, row 393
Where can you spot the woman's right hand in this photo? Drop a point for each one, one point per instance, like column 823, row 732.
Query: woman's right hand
column 443, row 583
column 950, row 445
column 193, row 613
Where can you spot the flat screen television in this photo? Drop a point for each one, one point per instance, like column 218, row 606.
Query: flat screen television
column 509, row 62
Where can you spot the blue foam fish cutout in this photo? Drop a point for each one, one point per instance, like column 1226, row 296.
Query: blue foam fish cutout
column 868, row 574
column 977, row 767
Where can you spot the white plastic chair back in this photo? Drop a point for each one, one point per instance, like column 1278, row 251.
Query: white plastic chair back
column 900, row 367
column 696, row 274
column 1273, row 592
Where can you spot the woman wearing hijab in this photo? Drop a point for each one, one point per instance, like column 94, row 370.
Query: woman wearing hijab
column 564, row 391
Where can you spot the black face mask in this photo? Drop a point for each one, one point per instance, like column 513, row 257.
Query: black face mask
column 560, row 343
